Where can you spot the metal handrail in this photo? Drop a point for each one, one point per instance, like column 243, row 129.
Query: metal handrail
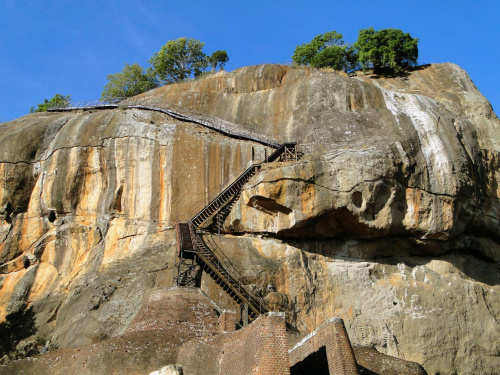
column 215, row 201
column 270, row 158
column 184, row 114
column 233, row 277
column 242, row 279
column 207, row 120
column 200, row 203
column 223, row 268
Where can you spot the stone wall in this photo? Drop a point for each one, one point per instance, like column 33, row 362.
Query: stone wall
column 185, row 311
column 227, row 321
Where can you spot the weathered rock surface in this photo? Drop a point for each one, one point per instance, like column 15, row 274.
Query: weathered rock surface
column 169, row 317
column 169, row 370
column 372, row 361
column 389, row 220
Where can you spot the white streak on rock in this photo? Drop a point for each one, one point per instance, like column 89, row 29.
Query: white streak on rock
column 422, row 112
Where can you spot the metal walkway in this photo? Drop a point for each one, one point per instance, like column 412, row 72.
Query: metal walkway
column 221, row 126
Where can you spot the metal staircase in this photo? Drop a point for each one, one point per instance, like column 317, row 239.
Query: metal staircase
column 285, row 152
column 186, row 266
column 191, row 248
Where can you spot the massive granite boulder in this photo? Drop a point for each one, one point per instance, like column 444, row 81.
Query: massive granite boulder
column 389, row 219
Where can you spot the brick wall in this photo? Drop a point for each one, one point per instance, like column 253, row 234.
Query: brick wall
column 181, row 326
column 331, row 338
column 190, row 322
column 260, row 348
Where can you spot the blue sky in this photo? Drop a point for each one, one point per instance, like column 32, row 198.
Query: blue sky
column 69, row 47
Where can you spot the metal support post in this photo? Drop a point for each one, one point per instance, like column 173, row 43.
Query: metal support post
column 245, row 314
column 218, row 223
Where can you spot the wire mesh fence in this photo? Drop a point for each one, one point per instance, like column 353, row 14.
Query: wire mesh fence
column 179, row 112
column 83, row 104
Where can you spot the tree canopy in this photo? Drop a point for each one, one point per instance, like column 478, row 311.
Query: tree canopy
column 387, row 48
column 325, row 50
column 131, row 81
column 59, row 101
column 218, row 58
column 178, row 59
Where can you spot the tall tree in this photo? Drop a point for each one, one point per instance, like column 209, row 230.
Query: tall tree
column 178, row 59
column 326, row 50
column 131, row 81
column 58, row 101
column 387, row 48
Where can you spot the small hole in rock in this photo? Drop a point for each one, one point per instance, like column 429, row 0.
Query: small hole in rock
column 26, row 262
column 357, row 199
column 52, row 216
column 8, row 212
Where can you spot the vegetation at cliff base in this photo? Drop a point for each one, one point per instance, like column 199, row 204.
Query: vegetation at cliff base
column 383, row 50
column 18, row 325
column 58, row 101
column 175, row 62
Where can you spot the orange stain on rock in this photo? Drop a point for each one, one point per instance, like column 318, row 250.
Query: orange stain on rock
column 161, row 213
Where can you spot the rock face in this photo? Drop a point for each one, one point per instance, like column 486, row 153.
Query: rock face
column 389, row 220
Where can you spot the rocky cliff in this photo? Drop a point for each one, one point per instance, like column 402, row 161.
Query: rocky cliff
column 389, row 220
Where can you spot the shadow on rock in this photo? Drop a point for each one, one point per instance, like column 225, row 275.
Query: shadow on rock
column 17, row 326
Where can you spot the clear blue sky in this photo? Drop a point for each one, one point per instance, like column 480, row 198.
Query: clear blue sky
column 69, row 47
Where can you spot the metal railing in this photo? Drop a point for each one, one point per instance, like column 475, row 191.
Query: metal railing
column 208, row 121
column 216, row 200
column 200, row 203
column 214, row 259
column 181, row 113
column 84, row 104
column 225, row 269
column 220, row 199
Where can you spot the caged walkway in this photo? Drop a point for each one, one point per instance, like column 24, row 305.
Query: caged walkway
column 192, row 250
column 221, row 126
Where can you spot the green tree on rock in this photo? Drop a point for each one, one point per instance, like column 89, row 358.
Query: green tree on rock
column 388, row 48
column 218, row 58
column 178, row 60
column 326, row 50
column 58, row 101
column 131, row 81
